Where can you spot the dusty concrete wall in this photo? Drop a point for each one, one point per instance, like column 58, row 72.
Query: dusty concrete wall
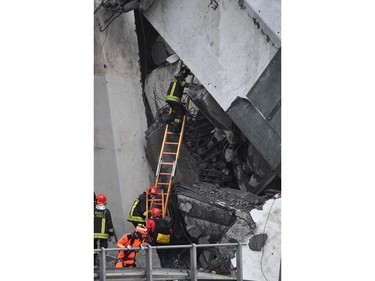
column 225, row 48
column 121, row 170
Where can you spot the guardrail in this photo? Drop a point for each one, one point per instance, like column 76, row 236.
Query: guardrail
column 193, row 258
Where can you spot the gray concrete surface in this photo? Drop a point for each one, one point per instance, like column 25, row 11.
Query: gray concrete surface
column 234, row 51
column 259, row 115
column 120, row 166
column 225, row 48
column 269, row 14
column 265, row 264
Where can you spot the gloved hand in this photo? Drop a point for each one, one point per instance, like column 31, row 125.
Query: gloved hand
column 110, row 238
column 128, row 247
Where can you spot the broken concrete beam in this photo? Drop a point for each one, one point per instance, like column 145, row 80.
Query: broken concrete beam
column 226, row 66
column 210, row 211
column 204, row 211
column 259, row 115
column 231, row 199
column 266, row 93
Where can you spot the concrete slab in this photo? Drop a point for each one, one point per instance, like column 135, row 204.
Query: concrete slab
column 225, row 48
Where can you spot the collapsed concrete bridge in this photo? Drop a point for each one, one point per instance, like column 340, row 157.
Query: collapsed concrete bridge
column 236, row 58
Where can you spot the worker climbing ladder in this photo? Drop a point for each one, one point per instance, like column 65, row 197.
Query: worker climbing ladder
column 167, row 165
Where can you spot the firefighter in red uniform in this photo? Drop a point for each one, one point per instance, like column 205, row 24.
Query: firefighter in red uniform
column 159, row 234
column 130, row 240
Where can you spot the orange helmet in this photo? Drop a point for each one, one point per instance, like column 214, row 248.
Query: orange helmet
column 155, row 212
column 153, row 190
column 140, row 228
column 101, row 199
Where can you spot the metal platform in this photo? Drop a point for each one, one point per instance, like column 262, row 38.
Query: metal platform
column 148, row 273
column 139, row 273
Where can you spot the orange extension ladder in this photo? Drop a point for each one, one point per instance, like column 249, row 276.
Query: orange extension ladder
column 170, row 150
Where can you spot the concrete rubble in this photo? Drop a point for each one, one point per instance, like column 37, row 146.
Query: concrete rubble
column 218, row 173
column 205, row 213
column 212, row 142
column 228, row 179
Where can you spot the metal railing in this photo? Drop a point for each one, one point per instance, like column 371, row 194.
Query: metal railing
column 193, row 271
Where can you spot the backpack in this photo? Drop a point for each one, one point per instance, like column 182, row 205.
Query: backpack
column 161, row 234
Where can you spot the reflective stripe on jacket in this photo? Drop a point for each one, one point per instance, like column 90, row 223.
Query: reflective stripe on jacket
column 103, row 227
column 175, row 90
column 138, row 210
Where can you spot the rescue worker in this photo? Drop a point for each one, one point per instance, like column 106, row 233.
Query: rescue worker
column 137, row 212
column 103, row 227
column 130, row 240
column 173, row 98
column 159, row 233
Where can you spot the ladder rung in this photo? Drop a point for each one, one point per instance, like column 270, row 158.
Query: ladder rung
column 168, row 142
column 160, row 194
column 170, row 153
column 170, row 133
column 166, row 163
column 163, row 183
column 165, row 174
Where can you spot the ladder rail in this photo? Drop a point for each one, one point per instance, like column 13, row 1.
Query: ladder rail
column 165, row 195
column 160, row 163
column 161, row 151
column 150, row 203
column 147, row 204
column 177, row 155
